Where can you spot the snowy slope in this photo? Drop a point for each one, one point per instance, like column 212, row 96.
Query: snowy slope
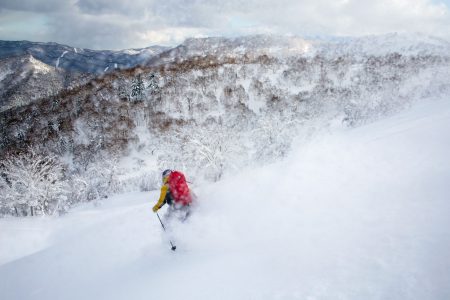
column 351, row 214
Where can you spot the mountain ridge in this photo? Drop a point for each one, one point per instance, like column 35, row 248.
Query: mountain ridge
column 79, row 59
column 286, row 46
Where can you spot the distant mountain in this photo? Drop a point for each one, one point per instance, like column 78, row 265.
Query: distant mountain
column 29, row 70
column 24, row 79
column 78, row 59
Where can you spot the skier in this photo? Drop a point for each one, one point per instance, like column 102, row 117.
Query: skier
column 175, row 192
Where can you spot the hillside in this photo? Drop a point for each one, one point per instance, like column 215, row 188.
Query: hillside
column 354, row 213
column 213, row 106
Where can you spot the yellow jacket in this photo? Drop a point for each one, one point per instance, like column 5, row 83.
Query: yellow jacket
column 162, row 196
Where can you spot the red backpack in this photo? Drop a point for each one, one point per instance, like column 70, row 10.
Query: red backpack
column 179, row 188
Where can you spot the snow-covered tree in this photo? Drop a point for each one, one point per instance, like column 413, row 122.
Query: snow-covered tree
column 33, row 182
column 214, row 150
column 273, row 136
column 153, row 86
column 137, row 88
column 122, row 86
column 100, row 178
column 78, row 187
column 6, row 199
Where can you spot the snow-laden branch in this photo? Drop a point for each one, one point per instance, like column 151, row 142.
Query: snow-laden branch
column 33, row 182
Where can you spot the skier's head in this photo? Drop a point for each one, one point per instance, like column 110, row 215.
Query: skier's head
column 166, row 174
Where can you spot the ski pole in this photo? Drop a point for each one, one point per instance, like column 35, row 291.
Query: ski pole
column 171, row 244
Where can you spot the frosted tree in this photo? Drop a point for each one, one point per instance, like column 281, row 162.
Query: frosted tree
column 122, row 86
column 170, row 155
column 34, row 183
column 123, row 93
column 153, row 86
column 78, row 189
column 100, row 178
column 6, row 200
column 273, row 136
column 137, row 88
column 215, row 150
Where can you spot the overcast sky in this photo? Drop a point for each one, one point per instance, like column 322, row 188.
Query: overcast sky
column 119, row 24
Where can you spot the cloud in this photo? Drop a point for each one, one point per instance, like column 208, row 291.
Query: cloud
column 115, row 24
column 136, row 8
column 34, row 5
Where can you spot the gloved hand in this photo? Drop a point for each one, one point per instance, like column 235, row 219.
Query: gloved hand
column 155, row 208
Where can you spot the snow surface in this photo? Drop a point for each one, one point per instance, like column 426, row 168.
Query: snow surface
column 351, row 214
column 39, row 66
column 5, row 72
column 131, row 51
column 62, row 55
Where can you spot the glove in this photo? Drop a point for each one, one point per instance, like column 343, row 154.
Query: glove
column 155, row 208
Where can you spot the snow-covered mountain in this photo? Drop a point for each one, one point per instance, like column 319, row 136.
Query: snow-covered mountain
column 220, row 48
column 29, row 70
column 292, row 46
column 212, row 106
column 24, row 79
column 78, row 59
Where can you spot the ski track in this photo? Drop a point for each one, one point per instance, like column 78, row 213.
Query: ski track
column 351, row 214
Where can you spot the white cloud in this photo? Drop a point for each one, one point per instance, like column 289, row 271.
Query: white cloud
column 117, row 24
